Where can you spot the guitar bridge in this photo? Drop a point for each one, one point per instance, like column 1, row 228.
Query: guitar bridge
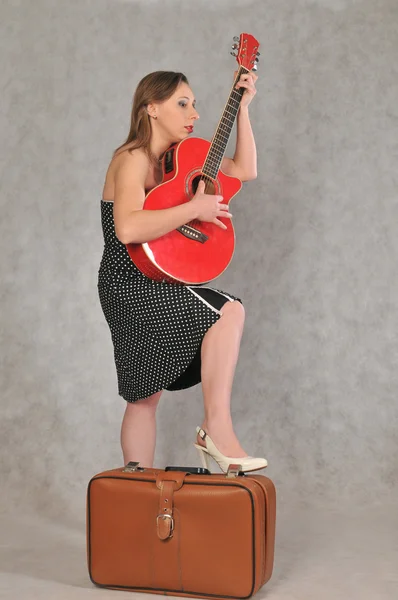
column 193, row 234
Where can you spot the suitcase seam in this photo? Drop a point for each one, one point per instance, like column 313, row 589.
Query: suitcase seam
column 264, row 533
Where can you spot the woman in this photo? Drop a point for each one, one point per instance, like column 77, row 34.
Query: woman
column 169, row 336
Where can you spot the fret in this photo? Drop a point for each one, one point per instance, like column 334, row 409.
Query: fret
column 228, row 113
column 216, row 167
column 216, row 152
column 219, row 144
column 223, row 136
column 224, row 127
column 230, row 120
column 213, row 167
column 225, row 132
column 212, row 164
column 214, row 160
column 222, row 130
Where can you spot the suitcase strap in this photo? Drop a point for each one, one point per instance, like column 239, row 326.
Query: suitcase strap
column 164, row 520
column 168, row 482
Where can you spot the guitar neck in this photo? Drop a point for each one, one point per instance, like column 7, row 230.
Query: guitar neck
column 223, row 131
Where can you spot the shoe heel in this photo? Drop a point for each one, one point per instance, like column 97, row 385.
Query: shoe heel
column 204, row 457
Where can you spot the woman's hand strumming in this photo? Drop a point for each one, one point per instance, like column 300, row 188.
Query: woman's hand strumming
column 209, row 207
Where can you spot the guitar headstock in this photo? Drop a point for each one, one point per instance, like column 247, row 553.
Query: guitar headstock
column 247, row 51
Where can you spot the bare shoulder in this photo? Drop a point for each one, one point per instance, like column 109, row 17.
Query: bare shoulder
column 130, row 173
column 133, row 161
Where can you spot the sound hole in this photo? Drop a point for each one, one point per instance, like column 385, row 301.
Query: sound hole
column 209, row 184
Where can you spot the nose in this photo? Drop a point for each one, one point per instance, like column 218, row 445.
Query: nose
column 196, row 114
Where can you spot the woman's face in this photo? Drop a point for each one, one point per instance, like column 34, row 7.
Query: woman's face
column 176, row 116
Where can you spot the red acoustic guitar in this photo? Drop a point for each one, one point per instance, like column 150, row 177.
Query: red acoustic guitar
column 197, row 252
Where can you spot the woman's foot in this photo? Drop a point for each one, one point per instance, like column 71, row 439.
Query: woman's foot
column 224, row 438
column 224, row 461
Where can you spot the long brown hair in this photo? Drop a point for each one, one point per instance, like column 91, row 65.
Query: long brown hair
column 154, row 87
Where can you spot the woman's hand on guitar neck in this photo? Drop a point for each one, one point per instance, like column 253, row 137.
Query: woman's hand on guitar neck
column 209, row 207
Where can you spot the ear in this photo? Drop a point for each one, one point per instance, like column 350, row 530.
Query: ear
column 150, row 109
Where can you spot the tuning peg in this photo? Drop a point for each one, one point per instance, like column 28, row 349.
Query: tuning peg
column 254, row 68
column 258, row 53
column 234, row 46
column 233, row 54
column 256, row 60
column 236, row 38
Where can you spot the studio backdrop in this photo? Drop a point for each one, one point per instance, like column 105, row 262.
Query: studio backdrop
column 315, row 264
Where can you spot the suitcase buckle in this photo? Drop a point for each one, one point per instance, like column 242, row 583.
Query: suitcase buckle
column 171, row 522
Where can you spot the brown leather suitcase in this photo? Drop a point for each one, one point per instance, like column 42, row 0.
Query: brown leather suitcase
column 181, row 531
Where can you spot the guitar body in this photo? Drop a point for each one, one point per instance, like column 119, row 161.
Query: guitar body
column 200, row 251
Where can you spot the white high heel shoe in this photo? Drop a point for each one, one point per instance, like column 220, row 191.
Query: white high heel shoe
column 248, row 463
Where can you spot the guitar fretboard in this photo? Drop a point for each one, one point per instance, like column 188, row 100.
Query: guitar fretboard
column 223, row 131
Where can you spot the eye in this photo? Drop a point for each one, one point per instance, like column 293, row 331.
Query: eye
column 182, row 103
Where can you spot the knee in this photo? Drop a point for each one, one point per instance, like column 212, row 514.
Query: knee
column 235, row 311
column 149, row 404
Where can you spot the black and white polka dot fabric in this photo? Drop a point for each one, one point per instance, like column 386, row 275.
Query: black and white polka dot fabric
column 156, row 328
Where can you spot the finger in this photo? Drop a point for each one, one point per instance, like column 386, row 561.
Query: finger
column 224, row 214
column 223, row 206
column 217, row 222
column 250, row 79
column 247, row 82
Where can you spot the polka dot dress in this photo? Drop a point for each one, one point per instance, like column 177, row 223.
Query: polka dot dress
column 156, row 328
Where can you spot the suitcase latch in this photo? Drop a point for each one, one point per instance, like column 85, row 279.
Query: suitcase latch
column 132, row 466
column 233, row 470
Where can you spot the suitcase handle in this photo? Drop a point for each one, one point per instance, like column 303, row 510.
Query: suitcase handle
column 193, row 470
column 233, row 471
column 134, row 466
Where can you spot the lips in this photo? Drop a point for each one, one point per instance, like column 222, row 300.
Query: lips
column 189, row 128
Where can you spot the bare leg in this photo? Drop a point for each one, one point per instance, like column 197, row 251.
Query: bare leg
column 220, row 349
column 138, row 433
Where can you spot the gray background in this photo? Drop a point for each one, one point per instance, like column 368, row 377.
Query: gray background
column 315, row 264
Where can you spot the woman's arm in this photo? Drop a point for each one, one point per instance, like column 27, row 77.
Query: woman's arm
column 245, row 157
column 132, row 224
column 244, row 163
